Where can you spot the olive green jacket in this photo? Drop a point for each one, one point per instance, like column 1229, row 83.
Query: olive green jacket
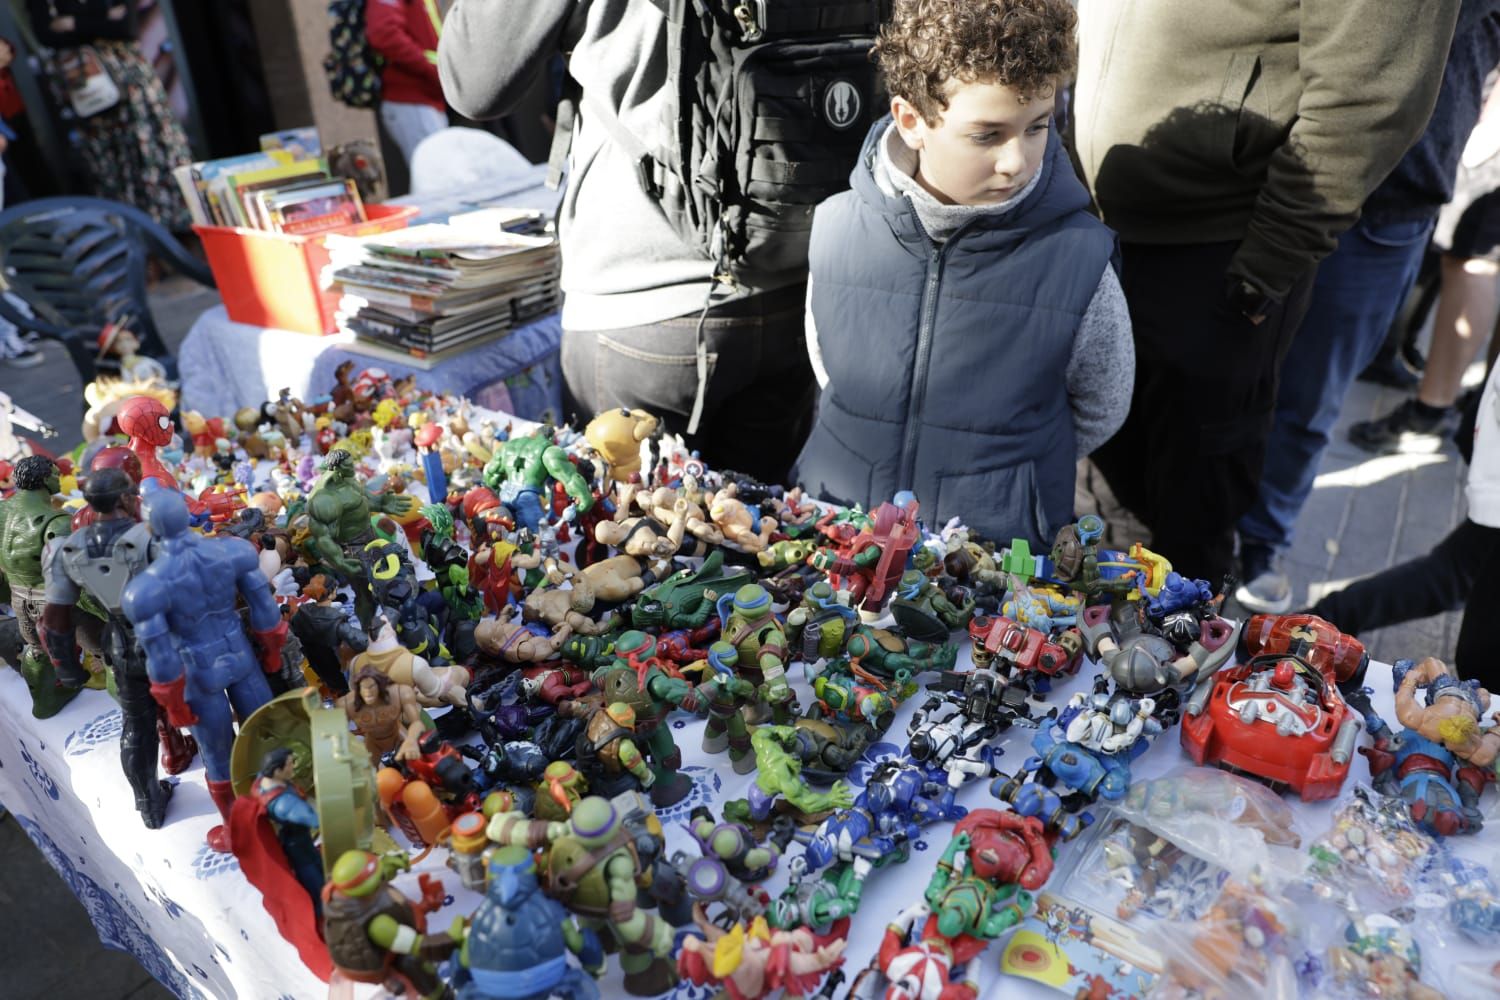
column 1264, row 121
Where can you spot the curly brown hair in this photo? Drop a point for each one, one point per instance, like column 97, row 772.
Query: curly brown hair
column 1027, row 45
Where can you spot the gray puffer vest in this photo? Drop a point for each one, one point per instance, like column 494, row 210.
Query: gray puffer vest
column 946, row 361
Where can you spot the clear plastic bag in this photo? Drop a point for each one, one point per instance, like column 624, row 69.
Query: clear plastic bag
column 1357, row 954
column 1247, row 944
column 1371, row 849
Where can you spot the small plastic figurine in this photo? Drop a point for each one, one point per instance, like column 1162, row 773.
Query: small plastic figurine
column 148, row 425
column 1440, row 763
column 756, row 635
column 520, row 469
column 435, row 686
column 28, row 522
column 616, row 435
column 376, row 935
column 322, row 628
column 924, row 612
column 638, row 678
column 521, row 643
column 779, row 782
column 869, row 562
column 756, row 961
column 338, row 510
column 271, row 830
column 686, row 599
column 743, row 525
column 593, row 867
column 385, row 712
column 611, row 580
column 608, row 753
column 516, row 944
column 183, row 607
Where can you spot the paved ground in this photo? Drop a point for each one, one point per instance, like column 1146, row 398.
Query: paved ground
column 1365, row 514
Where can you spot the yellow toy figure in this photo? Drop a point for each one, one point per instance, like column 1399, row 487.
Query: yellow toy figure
column 616, row 434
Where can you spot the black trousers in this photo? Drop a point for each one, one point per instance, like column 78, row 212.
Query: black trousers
column 1188, row 460
column 758, row 405
column 1462, row 571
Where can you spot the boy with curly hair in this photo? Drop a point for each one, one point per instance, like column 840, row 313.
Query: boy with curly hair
column 964, row 318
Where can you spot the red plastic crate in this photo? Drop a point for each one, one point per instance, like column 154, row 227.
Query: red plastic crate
column 271, row 279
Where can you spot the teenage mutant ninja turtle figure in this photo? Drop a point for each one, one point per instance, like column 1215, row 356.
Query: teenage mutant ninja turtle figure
column 593, row 867
column 375, row 934
column 639, row 679
column 759, row 641
column 924, row 612
column 608, row 752
column 338, row 520
column 28, row 521
column 516, row 944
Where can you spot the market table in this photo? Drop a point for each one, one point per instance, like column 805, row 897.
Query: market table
column 226, row 365
column 197, row 926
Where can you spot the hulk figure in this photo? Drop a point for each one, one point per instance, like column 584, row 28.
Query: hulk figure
column 779, row 776
column 28, row 521
column 338, row 520
column 519, row 469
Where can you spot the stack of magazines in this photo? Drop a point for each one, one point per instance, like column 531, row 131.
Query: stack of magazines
column 285, row 188
column 423, row 294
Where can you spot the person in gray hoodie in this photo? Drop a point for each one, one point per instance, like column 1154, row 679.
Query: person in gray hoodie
column 965, row 319
column 633, row 289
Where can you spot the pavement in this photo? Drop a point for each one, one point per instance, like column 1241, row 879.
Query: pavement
column 1365, row 513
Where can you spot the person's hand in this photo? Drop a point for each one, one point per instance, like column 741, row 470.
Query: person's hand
column 116, row 13
column 62, row 25
column 4, row 142
column 7, row 53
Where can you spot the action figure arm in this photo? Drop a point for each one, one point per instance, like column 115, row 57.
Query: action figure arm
column 632, row 761
column 289, row 807
column 57, row 620
column 632, row 924
column 398, row 504
column 266, row 622
column 561, row 468
column 144, row 604
column 800, row 795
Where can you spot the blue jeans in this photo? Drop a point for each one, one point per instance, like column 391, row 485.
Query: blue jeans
column 1355, row 297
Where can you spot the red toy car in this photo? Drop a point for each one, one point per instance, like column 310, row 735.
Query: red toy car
column 1025, row 649
column 1279, row 716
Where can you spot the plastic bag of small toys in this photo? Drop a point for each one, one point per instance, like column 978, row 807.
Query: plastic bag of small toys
column 1238, row 824
column 1356, row 953
column 1247, row 944
column 1371, row 849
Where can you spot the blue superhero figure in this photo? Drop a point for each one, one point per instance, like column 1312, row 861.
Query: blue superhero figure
column 199, row 660
column 1091, row 774
column 1178, row 593
column 878, row 830
column 517, row 942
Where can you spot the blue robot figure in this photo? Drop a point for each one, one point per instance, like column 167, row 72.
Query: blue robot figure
column 197, row 656
column 899, row 800
column 517, row 942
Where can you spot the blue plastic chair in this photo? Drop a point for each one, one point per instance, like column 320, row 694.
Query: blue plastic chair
column 80, row 263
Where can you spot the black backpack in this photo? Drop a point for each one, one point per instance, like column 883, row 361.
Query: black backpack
column 770, row 104
column 353, row 68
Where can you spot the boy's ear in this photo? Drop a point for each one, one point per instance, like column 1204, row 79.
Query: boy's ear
column 909, row 122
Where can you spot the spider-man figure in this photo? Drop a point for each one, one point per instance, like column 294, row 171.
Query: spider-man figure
column 149, row 427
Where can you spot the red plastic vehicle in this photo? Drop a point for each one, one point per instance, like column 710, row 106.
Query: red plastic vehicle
column 1279, row 716
column 1025, row 649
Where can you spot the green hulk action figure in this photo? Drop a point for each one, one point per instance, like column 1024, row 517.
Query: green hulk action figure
column 28, row 521
column 779, row 776
column 518, row 471
column 338, row 516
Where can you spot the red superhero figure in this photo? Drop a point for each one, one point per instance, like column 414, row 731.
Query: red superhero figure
column 146, row 422
column 869, row 562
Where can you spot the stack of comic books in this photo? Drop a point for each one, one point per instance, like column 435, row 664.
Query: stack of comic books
column 432, row 291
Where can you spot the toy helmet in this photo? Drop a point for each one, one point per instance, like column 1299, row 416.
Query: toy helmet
column 621, row 713
column 751, row 598
column 356, row 873
column 117, row 457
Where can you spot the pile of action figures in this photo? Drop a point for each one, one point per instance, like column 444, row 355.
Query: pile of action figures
column 390, row 622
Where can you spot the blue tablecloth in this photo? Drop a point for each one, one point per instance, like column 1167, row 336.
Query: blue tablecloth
column 226, row 365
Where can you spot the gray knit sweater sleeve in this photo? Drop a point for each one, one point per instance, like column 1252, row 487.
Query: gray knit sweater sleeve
column 1101, row 372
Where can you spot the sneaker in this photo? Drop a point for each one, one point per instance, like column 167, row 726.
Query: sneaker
column 17, row 352
column 1267, row 590
column 1404, row 431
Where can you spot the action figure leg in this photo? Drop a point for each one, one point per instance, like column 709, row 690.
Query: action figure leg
column 249, row 692
column 47, row 696
column 672, row 786
column 138, row 718
column 422, row 976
